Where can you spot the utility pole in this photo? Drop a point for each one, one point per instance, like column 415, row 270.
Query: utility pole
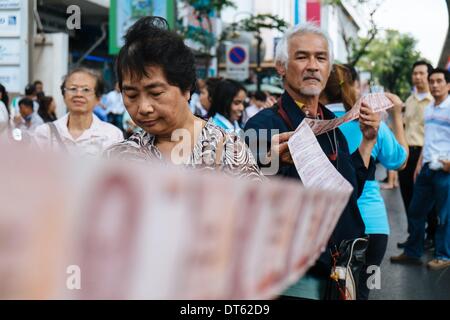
column 258, row 62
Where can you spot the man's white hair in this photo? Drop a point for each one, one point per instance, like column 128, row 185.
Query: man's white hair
column 282, row 49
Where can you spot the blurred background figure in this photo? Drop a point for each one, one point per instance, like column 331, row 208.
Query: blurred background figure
column 39, row 89
column 390, row 150
column 30, row 93
column 204, row 103
column 27, row 120
column 47, row 109
column 114, row 107
column 195, row 96
column 4, row 110
column 129, row 126
column 258, row 101
column 227, row 105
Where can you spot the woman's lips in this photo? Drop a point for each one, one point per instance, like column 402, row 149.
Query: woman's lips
column 148, row 123
column 79, row 102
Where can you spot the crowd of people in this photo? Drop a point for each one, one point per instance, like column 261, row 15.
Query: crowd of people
column 157, row 95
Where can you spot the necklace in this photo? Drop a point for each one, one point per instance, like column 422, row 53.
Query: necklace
column 333, row 144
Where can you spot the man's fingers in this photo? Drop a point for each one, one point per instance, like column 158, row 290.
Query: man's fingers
column 283, row 147
column 282, row 137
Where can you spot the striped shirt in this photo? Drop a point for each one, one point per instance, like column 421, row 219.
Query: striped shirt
column 437, row 131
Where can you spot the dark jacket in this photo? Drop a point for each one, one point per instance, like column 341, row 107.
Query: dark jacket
column 351, row 167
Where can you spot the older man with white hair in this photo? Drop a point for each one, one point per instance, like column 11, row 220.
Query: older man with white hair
column 304, row 59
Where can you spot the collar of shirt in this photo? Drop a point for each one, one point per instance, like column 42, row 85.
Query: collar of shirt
column 419, row 97
column 226, row 123
column 299, row 104
column 93, row 131
column 444, row 104
column 336, row 107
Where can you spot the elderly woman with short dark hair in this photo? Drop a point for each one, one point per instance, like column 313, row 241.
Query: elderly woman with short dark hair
column 156, row 74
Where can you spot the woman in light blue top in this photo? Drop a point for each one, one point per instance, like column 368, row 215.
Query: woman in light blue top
column 227, row 105
column 390, row 150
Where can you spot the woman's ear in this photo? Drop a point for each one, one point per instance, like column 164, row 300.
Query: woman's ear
column 187, row 95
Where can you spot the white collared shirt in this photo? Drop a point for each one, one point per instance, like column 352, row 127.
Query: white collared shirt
column 437, row 131
column 114, row 102
column 224, row 123
column 92, row 142
column 34, row 123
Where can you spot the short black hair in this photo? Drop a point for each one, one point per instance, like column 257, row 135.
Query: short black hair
column 5, row 97
column 37, row 82
column 260, row 96
column 27, row 102
column 99, row 84
column 441, row 70
column 422, row 63
column 149, row 42
column 223, row 96
column 30, row 89
column 211, row 84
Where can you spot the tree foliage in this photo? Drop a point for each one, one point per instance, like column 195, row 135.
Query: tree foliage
column 357, row 48
column 390, row 59
column 254, row 23
column 203, row 10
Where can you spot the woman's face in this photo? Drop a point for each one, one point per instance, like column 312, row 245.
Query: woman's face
column 237, row 106
column 155, row 105
column 204, row 98
column 79, row 93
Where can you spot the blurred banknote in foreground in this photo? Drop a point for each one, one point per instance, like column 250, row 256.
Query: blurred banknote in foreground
column 72, row 229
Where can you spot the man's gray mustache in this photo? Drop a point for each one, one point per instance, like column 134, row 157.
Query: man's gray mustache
column 312, row 77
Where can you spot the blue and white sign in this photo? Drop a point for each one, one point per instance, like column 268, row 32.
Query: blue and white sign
column 237, row 61
column 10, row 23
column 9, row 4
column 9, row 51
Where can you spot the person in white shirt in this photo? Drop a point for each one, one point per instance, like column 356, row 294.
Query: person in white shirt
column 28, row 120
column 79, row 132
column 257, row 103
column 30, row 93
column 432, row 179
column 4, row 111
column 114, row 107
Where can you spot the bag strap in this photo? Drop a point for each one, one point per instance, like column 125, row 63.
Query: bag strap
column 282, row 113
column 55, row 133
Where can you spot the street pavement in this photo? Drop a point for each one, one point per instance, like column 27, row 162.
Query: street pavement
column 407, row 282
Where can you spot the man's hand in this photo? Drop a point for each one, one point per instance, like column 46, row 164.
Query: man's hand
column 279, row 147
column 18, row 119
column 369, row 122
column 446, row 164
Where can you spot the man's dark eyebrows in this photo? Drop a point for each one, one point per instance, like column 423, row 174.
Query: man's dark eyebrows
column 128, row 88
column 147, row 87
column 155, row 85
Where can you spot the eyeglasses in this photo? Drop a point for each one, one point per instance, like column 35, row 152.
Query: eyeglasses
column 74, row 90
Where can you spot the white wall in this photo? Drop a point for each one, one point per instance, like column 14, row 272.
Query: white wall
column 335, row 22
column 50, row 64
column 283, row 8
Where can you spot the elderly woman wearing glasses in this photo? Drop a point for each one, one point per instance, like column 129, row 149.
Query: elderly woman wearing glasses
column 79, row 131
